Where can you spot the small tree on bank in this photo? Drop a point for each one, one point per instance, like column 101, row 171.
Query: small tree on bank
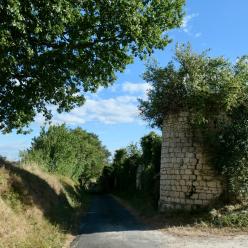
column 70, row 152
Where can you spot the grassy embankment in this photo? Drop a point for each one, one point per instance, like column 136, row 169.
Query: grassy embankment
column 223, row 219
column 37, row 209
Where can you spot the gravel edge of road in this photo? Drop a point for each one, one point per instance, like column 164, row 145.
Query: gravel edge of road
column 197, row 231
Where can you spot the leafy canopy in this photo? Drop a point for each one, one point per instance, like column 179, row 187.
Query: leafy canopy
column 71, row 152
column 151, row 150
column 230, row 148
column 196, row 83
column 53, row 51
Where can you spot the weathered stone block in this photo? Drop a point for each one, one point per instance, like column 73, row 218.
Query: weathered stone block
column 187, row 179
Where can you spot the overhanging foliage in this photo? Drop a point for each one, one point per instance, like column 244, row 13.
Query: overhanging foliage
column 51, row 52
column 213, row 91
column 196, row 83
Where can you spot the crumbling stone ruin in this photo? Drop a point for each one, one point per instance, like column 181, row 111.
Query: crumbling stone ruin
column 187, row 180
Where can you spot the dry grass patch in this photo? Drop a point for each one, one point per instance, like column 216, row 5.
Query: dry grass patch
column 37, row 209
column 223, row 221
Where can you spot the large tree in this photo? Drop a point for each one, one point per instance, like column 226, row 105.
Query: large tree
column 53, row 51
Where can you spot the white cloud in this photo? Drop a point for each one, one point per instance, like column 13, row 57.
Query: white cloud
column 113, row 110
column 121, row 109
column 185, row 25
column 197, row 35
column 135, row 87
column 68, row 118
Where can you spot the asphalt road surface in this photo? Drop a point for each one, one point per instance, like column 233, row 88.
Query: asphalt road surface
column 109, row 225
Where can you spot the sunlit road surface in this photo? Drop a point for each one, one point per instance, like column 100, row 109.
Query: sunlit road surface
column 109, row 225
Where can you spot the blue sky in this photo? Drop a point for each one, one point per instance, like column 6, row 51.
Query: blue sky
column 112, row 113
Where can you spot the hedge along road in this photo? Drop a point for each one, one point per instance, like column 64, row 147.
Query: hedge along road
column 109, row 225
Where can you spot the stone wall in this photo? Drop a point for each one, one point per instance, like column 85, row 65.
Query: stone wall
column 187, row 180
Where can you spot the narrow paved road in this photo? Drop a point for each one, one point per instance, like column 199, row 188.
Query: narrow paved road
column 109, row 225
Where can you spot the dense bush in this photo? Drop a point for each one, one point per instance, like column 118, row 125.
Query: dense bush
column 151, row 156
column 151, row 150
column 231, row 153
column 214, row 92
column 70, row 152
column 125, row 164
column 121, row 176
column 196, row 83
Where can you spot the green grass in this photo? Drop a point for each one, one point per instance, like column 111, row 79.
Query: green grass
column 235, row 216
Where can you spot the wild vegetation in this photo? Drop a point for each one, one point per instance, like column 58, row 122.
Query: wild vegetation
column 74, row 153
column 214, row 91
column 51, row 54
column 121, row 176
column 42, row 198
column 37, row 209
